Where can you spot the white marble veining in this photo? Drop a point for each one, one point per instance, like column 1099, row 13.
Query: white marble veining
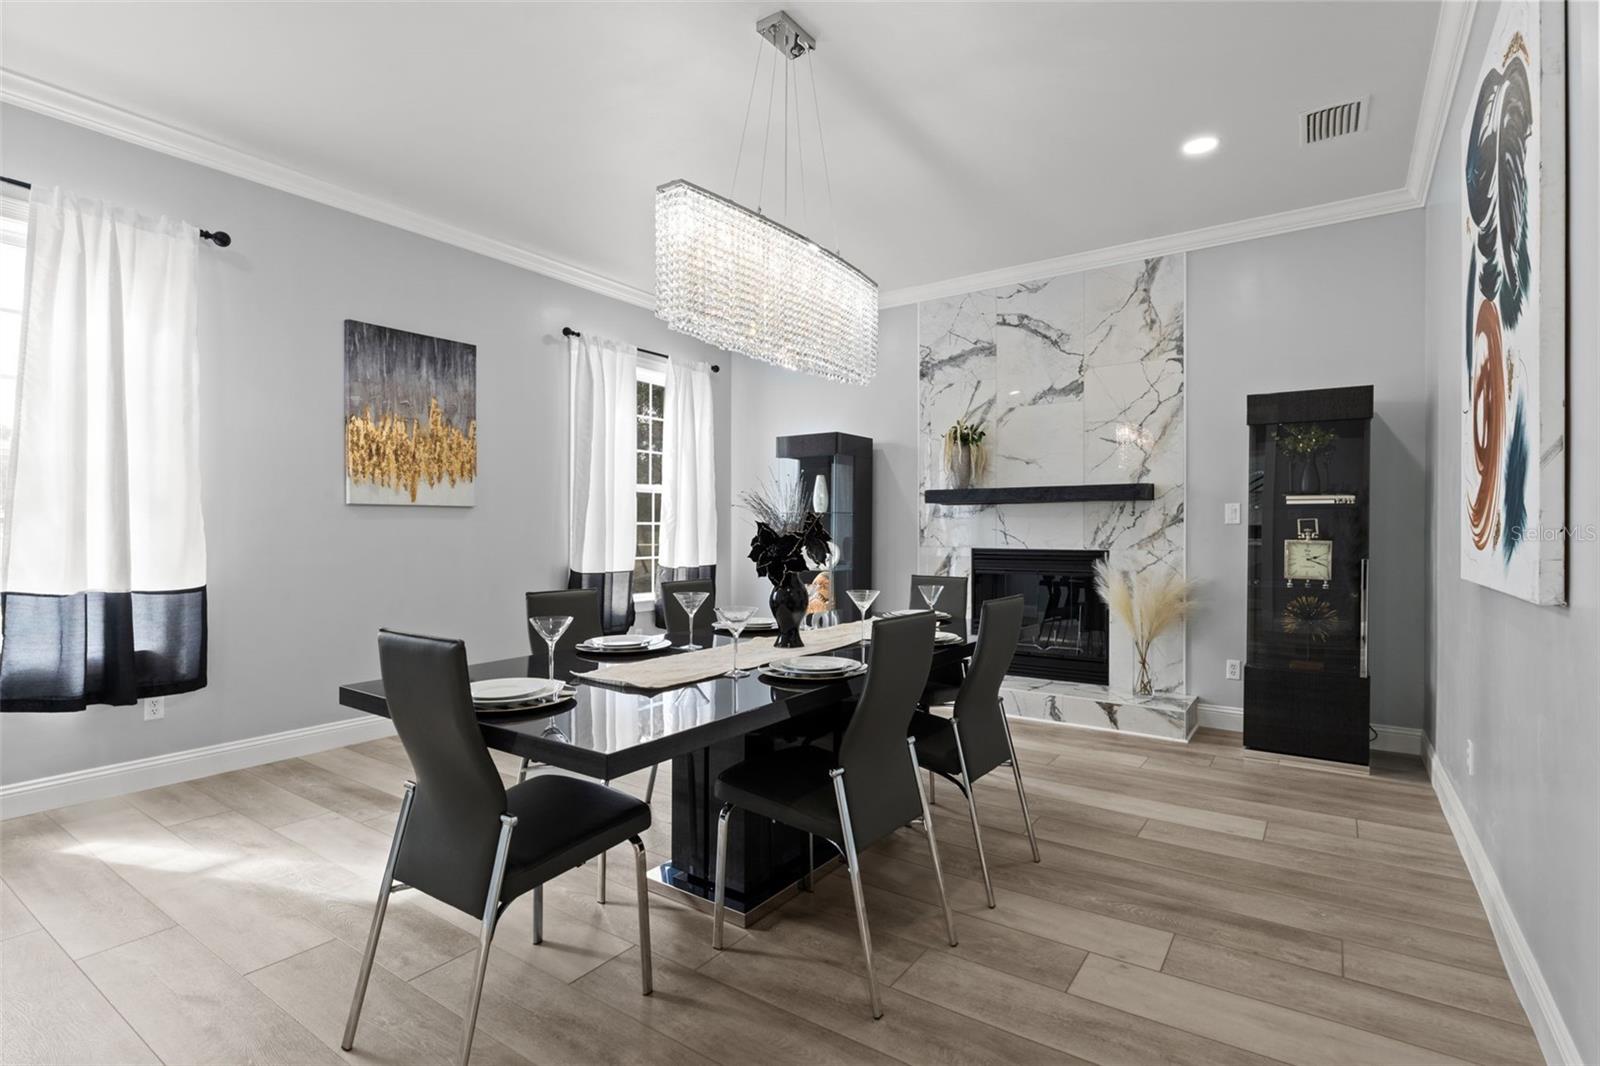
column 1164, row 715
column 1080, row 379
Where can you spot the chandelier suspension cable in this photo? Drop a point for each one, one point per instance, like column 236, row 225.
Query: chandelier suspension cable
column 811, row 60
column 800, row 143
column 788, row 69
column 766, row 142
column 750, row 98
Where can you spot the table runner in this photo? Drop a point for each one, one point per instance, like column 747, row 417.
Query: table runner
column 671, row 671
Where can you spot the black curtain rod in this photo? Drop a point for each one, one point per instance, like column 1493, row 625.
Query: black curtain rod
column 219, row 238
column 568, row 331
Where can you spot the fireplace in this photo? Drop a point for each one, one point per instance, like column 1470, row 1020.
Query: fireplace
column 1064, row 622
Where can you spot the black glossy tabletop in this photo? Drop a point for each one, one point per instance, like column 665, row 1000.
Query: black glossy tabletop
column 606, row 732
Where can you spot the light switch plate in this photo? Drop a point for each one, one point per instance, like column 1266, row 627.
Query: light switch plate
column 1230, row 514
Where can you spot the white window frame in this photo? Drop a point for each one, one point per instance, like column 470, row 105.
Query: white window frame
column 648, row 375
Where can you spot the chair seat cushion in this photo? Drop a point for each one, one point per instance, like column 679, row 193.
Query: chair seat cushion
column 936, row 743
column 938, row 695
column 791, row 786
column 561, row 823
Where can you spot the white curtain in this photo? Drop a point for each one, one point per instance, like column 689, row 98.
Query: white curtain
column 104, row 565
column 600, row 535
column 688, row 469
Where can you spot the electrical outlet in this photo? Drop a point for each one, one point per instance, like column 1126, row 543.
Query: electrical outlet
column 1470, row 766
column 1230, row 514
column 1231, row 672
column 154, row 708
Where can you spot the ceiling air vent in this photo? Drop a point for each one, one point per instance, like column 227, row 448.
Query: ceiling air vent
column 1329, row 122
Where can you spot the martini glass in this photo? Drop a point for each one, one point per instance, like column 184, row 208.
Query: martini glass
column 550, row 627
column 862, row 598
column 691, row 602
column 735, row 619
column 930, row 594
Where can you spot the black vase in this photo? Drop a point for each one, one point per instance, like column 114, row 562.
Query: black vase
column 788, row 603
column 1308, row 481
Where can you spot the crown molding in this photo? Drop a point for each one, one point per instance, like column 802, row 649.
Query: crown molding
column 67, row 106
column 1247, row 229
column 1444, row 69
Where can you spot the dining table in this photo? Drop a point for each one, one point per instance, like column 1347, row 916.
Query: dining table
column 702, row 728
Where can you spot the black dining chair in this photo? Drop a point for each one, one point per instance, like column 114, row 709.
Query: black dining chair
column 870, row 789
column 583, row 607
column 677, row 619
column 977, row 738
column 463, row 837
column 952, row 601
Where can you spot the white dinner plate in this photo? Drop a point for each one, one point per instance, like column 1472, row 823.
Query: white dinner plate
column 623, row 640
column 774, row 670
column 943, row 616
column 814, row 664
column 561, row 695
column 513, row 689
column 755, row 625
column 943, row 636
column 656, row 643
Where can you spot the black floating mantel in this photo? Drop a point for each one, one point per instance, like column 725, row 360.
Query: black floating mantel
column 1136, row 490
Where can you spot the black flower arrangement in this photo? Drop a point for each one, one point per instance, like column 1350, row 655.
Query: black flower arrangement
column 787, row 531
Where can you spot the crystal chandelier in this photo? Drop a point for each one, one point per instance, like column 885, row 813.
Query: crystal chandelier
column 736, row 279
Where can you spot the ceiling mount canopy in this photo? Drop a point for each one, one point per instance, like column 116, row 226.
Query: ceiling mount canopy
column 737, row 279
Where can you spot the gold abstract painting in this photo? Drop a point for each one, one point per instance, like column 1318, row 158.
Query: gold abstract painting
column 410, row 418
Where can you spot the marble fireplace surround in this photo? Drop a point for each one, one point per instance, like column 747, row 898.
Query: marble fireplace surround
column 1079, row 379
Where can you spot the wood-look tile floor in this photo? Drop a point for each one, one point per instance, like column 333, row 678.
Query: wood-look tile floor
column 1191, row 906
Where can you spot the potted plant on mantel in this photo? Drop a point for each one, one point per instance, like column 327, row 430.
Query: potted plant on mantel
column 787, row 532
column 965, row 456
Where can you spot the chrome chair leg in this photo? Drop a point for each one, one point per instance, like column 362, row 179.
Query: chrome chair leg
column 600, row 888
column 811, row 862
column 384, row 890
column 522, row 773
column 650, row 786
column 972, row 809
column 646, row 968
column 933, row 846
column 719, row 892
column 1022, row 796
column 931, row 780
column 854, row 863
column 538, row 914
column 491, row 914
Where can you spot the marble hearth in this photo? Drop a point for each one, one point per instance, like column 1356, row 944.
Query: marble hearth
column 1079, row 379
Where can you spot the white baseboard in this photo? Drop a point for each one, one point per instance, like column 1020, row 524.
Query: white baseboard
column 118, row 779
column 1555, row 1039
column 1394, row 738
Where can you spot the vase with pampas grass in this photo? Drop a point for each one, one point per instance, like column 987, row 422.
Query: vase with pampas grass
column 1149, row 605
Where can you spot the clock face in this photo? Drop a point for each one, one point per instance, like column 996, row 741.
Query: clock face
column 1308, row 560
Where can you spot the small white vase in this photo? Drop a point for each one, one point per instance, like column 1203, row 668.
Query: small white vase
column 819, row 494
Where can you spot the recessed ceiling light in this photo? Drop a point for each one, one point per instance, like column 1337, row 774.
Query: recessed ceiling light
column 1200, row 145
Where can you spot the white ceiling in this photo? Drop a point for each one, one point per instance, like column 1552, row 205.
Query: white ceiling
column 964, row 138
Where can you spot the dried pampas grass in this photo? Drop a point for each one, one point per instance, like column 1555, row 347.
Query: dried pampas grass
column 1149, row 604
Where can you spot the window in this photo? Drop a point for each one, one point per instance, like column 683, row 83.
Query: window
column 13, row 252
column 651, row 394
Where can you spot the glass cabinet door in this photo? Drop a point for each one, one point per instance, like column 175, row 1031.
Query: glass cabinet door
column 1308, row 546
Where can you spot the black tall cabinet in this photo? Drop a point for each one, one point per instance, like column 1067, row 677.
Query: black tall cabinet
column 1306, row 686
column 844, row 462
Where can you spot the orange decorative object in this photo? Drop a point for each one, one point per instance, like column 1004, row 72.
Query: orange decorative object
column 821, row 593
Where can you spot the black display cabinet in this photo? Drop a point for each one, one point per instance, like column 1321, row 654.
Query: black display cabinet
column 844, row 462
column 1306, row 689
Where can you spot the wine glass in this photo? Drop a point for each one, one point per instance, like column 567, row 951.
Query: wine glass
column 930, row 594
column 691, row 603
column 862, row 598
column 735, row 618
column 550, row 627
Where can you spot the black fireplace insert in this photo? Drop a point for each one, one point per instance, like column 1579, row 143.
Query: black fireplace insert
column 1064, row 621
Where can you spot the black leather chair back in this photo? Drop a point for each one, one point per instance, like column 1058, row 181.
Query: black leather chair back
column 880, row 778
column 581, row 605
column 677, row 620
column 952, row 601
column 978, row 713
column 448, row 847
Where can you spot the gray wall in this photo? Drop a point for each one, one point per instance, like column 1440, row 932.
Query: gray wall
column 1336, row 305
column 299, row 582
column 1522, row 683
column 769, row 403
